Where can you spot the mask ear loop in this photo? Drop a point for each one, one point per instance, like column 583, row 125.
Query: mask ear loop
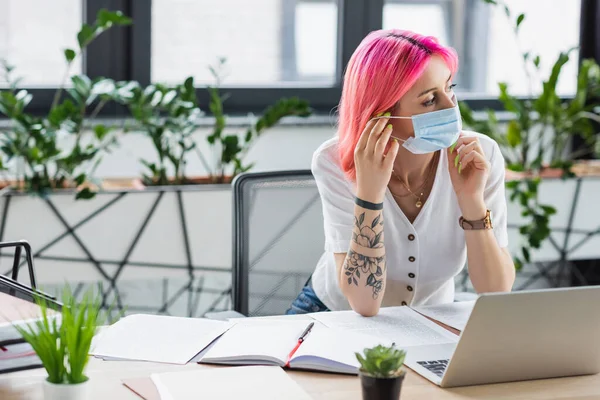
column 390, row 117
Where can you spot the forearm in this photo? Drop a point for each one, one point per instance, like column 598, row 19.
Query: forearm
column 363, row 273
column 490, row 268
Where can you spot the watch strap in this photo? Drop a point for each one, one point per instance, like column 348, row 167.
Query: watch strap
column 481, row 224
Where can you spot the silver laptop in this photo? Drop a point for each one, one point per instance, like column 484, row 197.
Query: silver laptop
column 518, row 336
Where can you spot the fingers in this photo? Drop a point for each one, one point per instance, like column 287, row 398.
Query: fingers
column 463, row 146
column 464, row 141
column 364, row 136
column 390, row 157
column 473, row 158
column 376, row 133
column 383, row 140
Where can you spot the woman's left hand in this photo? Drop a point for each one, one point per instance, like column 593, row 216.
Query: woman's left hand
column 469, row 170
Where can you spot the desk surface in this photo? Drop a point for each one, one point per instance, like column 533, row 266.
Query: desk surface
column 106, row 382
column 106, row 376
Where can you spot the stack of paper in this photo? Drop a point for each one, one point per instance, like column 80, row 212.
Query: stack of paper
column 402, row 325
column 157, row 338
column 228, row 383
column 454, row 314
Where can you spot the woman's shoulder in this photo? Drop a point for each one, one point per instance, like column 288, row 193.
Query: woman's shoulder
column 326, row 158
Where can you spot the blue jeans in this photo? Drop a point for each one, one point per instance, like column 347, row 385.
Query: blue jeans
column 306, row 302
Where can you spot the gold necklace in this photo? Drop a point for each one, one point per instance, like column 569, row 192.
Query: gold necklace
column 418, row 203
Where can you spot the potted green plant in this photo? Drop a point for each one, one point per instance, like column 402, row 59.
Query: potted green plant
column 51, row 152
column 536, row 142
column 381, row 372
column 63, row 344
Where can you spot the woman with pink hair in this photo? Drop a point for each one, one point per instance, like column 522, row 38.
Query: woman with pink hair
column 408, row 196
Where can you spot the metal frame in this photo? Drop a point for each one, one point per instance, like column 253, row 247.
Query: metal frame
column 192, row 288
column 241, row 264
column 14, row 287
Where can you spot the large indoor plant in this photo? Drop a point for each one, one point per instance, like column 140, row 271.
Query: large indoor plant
column 381, row 372
column 536, row 142
column 52, row 152
column 63, row 344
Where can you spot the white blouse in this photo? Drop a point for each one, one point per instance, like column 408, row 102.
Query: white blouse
column 422, row 258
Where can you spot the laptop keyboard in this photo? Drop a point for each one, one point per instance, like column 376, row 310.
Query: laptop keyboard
column 437, row 367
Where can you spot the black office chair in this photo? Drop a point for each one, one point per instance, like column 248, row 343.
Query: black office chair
column 277, row 239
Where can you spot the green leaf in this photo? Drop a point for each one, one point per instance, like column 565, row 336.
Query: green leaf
column 106, row 19
column 536, row 61
column 168, row 98
column 494, row 2
column 525, row 251
column 520, row 20
column 70, row 55
column 100, row 131
column 361, row 219
column 85, row 35
column 85, row 194
column 514, row 134
column 510, row 103
column 83, row 86
column 507, row 11
column 549, row 210
column 79, row 179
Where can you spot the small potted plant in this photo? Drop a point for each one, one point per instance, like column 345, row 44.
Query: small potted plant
column 381, row 372
column 63, row 343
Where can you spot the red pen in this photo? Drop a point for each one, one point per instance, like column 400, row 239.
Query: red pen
column 300, row 340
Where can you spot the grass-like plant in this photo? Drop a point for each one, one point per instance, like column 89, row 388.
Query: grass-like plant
column 381, row 361
column 63, row 343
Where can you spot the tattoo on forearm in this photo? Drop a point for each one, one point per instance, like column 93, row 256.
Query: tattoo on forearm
column 368, row 236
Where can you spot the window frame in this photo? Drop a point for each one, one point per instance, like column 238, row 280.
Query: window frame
column 124, row 53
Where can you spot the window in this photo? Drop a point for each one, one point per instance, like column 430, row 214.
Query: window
column 546, row 33
column 264, row 42
column 33, row 35
column 485, row 41
column 279, row 48
column 426, row 19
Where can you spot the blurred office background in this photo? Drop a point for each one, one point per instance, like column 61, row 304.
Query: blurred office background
column 155, row 243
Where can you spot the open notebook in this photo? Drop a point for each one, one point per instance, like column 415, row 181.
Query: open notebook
column 274, row 343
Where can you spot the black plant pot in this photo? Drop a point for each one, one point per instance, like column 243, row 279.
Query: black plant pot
column 381, row 388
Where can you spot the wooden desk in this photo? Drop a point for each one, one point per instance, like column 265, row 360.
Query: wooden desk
column 106, row 383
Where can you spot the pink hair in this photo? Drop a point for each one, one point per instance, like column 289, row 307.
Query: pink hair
column 382, row 69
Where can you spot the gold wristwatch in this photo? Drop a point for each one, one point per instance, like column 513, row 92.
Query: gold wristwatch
column 480, row 224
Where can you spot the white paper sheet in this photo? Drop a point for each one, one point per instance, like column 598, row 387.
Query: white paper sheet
column 269, row 383
column 334, row 347
column 401, row 325
column 454, row 314
column 157, row 338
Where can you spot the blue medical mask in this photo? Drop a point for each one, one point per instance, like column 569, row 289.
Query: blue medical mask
column 436, row 130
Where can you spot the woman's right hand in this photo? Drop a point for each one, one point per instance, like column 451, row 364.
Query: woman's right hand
column 373, row 165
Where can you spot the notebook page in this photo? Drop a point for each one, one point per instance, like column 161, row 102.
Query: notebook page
column 269, row 383
column 250, row 342
column 454, row 314
column 401, row 325
column 334, row 349
column 157, row 338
